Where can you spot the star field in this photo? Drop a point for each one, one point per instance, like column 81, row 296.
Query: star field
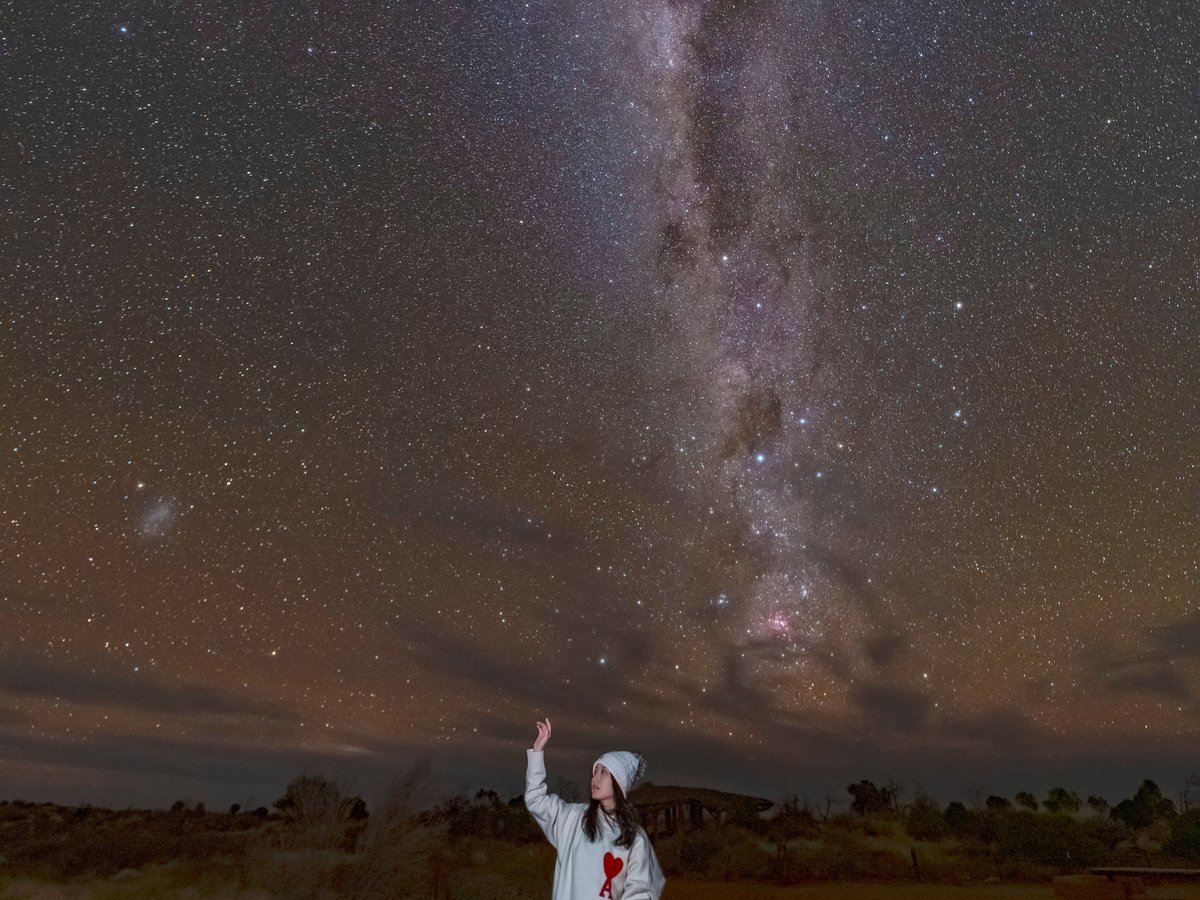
column 789, row 392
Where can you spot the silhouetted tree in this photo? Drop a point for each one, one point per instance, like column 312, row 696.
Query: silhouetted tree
column 924, row 820
column 1060, row 800
column 997, row 804
column 870, row 799
column 959, row 818
column 1099, row 804
column 828, row 803
column 235, row 808
column 1026, row 799
column 1189, row 798
column 792, row 820
column 310, row 799
column 1147, row 806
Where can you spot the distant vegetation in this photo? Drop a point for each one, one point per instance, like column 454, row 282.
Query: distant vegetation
column 317, row 842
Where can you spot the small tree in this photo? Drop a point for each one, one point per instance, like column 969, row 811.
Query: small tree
column 792, row 820
column 924, row 820
column 997, row 804
column 870, row 799
column 1098, row 804
column 1060, row 800
column 959, row 819
column 1189, row 798
column 309, row 800
column 1026, row 799
column 1146, row 807
column 828, row 804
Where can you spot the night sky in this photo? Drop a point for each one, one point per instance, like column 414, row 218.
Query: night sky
column 792, row 392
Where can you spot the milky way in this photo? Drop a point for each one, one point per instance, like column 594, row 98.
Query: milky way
column 739, row 258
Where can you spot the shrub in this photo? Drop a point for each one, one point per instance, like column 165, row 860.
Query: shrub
column 1185, row 835
column 843, row 855
column 1051, row 840
column 697, row 850
column 924, row 820
column 965, row 823
column 833, row 858
column 739, row 856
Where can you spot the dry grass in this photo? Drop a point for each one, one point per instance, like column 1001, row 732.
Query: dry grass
column 171, row 882
column 53, row 853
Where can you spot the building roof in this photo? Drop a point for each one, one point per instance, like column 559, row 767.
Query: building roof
column 649, row 795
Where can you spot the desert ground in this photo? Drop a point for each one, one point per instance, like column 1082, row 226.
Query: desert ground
column 703, row 890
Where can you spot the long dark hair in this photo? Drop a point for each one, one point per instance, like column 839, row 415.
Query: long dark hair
column 623, row 814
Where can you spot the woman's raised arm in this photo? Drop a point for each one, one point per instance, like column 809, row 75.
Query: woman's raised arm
column 547, row 809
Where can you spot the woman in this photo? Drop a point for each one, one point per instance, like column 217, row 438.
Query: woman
column 602, row 851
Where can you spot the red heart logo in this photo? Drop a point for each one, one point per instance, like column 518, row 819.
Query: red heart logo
column 612, row 865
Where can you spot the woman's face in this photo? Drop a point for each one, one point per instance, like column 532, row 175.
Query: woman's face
column 602, row 788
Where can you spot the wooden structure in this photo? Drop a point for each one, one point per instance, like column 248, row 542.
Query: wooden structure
column 665, row 809
column 1114, row 872
column 1116, row 882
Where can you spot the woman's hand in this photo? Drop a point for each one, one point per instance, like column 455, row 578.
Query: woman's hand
column 543, row 735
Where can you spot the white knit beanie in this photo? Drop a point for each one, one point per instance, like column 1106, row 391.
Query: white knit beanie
column 628, row 768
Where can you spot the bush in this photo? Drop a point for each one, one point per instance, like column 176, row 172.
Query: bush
column 833, row 858
column 1051, row 840
column 739, row 856
column 697, row 849
column 924, row 821
column 843, row 855
column 1185, row 835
